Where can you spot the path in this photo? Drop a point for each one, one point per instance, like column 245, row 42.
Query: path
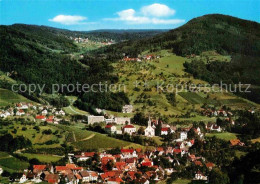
column 89, row 137
column 74, row 137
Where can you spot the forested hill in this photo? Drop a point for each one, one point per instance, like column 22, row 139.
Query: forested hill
column 32, row 55
column 95, row 35
column 225, row 34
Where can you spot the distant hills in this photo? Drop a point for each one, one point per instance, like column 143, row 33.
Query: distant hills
column 225, row 34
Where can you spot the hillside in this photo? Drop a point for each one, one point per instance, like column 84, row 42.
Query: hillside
column 225, row 34
column 228, row 36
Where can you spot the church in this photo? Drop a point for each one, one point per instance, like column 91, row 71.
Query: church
column 149, row 131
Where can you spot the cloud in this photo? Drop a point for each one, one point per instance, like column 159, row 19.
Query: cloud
column 157, row 10
column 148, row 15
column 68, row 19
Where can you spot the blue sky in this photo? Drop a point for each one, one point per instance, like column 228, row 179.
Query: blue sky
column 120, row 14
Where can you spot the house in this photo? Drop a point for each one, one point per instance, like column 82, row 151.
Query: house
column 236, row 142
column 22, row 106
column 149, row 131
column 43, row 118
column 110, row 129
column 95, row 119
column 127, row 109
column 38, row 169
column 85, row 176
column 166, row 130
column 61, row 112
column 215, row 128
column 210, row 165
column 183, row 136
column 200, row 176
column 44, row 112
column 23, row 179
column 130, row 129
column 52, row 178
column 20, row 112
column 85, row 156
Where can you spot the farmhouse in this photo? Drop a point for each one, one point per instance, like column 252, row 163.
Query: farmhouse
column 127, row 109
column 110, row 129
column 130, row 129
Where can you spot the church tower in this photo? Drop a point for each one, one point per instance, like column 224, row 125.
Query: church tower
column 149, row 122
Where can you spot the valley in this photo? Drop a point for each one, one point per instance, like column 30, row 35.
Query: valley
column 168, row 125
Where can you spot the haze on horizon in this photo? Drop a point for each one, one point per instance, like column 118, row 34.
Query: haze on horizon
column 85, row 15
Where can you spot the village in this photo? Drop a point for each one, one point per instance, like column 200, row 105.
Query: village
column 124, row 165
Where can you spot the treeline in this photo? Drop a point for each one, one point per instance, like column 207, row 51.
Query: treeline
column 241, row 69
column 104, row 100
column 10, row 144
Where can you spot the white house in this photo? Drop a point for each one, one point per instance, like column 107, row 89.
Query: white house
column 130, row 129
column 20, row 112
column 200, row 176
column 23, row 179
column 166, row 130
column 215, row 128
column 149, row 131
column 44, row 112
column 110, row 129
column 127, row 109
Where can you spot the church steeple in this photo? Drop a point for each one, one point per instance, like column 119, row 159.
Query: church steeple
column 149, row 122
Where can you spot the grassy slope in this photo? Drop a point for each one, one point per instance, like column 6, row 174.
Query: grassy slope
column 42, row 158
column 11, row 164
column 8, row 97
column 172, row 72
column 225, row 135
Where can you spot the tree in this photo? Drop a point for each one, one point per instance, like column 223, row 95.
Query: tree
column 218, row 177
column 141, row 131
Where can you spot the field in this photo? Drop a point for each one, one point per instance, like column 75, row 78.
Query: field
column 8, row 97
column 42, row 158
column 12, row 164
column 224, row 135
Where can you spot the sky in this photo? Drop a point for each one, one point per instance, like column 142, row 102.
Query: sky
column 84, row 15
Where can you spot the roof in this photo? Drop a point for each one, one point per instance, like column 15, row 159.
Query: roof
column 198, row 163
column 70, row 166
column 52, row 178
column 165, row 129
column 88, row 154
column 39, row 167
column 84, row 173
column 108, row 126
column 234, row 142
column 177, row 151
column 127, row 150
column 210, row 164
column 159, row 149
column 129, row 126
column 138, row 150
column 118, row 180
column 40, row 117
column 148, row 164
column 61, row 168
